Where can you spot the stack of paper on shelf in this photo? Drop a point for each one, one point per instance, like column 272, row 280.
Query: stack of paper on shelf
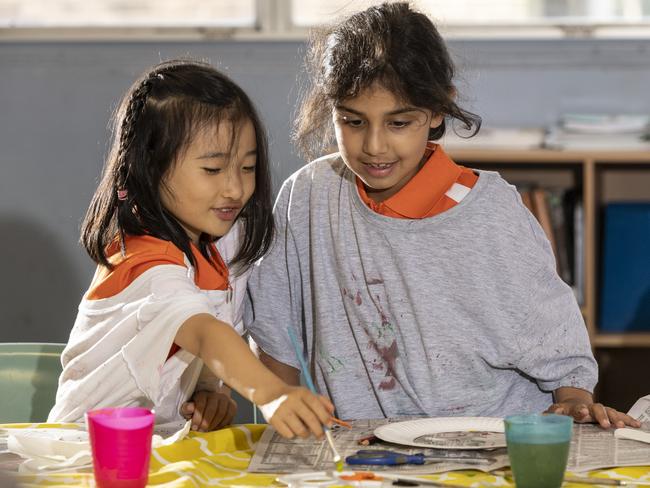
column 624, row 132
column 495, row 138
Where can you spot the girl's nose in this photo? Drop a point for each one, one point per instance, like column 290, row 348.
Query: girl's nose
column 374, row 142
column 234, row 187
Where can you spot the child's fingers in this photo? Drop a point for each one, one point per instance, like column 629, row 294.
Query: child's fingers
column 282, row 428
column 200, row 400
column 581, row 413
column 221, row 408
column 631, row 421
column 616, row 418
column 296, row 425
column 556, row 408
column 327, row 403
column 620, row 419
column 197, row 418
column 230, row 414
column 310, row 419
column 301, row 412
column 320, row 407
column 600, row 415
column 209, row 412
column 187, row 409
column 625, row 419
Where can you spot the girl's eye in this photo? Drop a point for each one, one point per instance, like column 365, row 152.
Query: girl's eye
column 350, row 121
column 212, row 171
column 354, row 122
column 249, row 169
column 399, row 124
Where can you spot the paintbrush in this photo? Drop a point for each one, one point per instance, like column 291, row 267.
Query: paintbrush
column 338, row 460
column 605, row 481
column 589, row 481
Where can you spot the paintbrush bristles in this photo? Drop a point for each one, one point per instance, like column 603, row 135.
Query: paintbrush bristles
column 330, row 440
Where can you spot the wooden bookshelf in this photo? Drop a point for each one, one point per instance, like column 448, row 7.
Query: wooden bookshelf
column 602, row 176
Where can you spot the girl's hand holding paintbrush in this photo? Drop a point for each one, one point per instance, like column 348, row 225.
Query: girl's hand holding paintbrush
column 300, row 412
column 296, row 411
column 291, row 410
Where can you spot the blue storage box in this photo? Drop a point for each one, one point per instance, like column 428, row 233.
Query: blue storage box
column 625, row 284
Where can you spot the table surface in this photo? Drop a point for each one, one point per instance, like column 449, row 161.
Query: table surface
column 221, row 458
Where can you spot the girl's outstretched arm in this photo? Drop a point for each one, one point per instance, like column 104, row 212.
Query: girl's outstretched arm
column 580, row 405
column 291, row 410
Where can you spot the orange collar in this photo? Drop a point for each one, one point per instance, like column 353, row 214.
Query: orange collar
column 429, row 185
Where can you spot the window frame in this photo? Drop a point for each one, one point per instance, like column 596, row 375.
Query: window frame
column 273, row 22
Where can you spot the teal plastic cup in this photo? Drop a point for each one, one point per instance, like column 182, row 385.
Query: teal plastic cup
column 538, row 448
column 120, row 441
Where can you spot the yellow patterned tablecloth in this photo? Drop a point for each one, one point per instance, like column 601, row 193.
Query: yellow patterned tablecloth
column 221, row 459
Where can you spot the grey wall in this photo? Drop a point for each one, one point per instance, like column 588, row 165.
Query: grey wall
column 56, row 100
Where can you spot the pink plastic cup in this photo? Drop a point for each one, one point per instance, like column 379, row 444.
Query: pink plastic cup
column 120, row 439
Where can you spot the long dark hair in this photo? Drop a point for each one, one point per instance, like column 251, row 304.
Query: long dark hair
column 389, row 44
column 153, row 124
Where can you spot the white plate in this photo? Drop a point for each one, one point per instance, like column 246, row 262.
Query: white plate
column 446, row 433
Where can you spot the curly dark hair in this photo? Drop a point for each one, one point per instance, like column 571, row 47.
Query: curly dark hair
column 153, row 125
column 391, row 45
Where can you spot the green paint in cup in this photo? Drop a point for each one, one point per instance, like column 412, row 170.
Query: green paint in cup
column 538, row 448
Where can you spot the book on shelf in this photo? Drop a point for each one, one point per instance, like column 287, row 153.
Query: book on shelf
column 556, row 203
column 579, row 252
column 559, row 213
column 625, row 285
column 543, row 214
column 527, row 200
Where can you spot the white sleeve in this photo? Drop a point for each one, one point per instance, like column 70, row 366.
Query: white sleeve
column 118, row 348
column 173, row 299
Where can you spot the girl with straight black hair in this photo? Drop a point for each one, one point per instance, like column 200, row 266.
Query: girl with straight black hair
column 182, row 211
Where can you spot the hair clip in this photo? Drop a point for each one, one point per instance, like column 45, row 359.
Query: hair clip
column 122, row 194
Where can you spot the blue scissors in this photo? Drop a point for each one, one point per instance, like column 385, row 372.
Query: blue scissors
column 378, row 457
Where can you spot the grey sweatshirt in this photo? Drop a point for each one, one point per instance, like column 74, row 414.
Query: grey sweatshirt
column 462, row 313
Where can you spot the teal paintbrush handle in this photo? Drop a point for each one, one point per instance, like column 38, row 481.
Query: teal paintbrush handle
column 301, row 359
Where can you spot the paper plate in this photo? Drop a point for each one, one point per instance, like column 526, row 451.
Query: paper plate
column 446, row 433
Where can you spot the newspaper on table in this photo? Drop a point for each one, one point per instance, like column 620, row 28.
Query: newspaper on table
column 640, row 411
column 591, row 448
column 274, row 454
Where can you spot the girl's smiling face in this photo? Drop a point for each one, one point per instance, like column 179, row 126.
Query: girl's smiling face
column 382, row 139
column 212, row 179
